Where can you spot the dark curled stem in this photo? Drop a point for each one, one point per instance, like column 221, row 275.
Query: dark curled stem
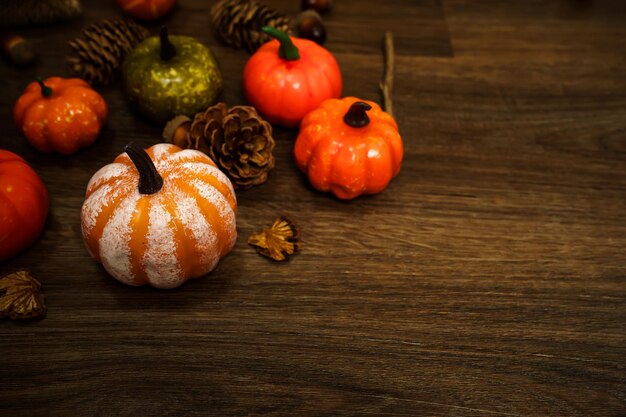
column 150, row 181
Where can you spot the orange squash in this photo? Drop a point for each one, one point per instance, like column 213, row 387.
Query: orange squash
column 159, row 216
column 60, row 115
column 349, row 147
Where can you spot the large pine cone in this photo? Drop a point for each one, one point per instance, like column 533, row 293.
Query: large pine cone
column 237, row 139
column 238, row 23
column 36, row 12
column 98, row 55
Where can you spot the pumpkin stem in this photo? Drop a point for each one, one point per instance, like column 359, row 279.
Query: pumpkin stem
column 356, row 115
column 150, row 181
column 287, row 50
column 168, row 50
column 45, row 90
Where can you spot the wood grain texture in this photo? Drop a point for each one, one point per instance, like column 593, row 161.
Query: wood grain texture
column 488, row 279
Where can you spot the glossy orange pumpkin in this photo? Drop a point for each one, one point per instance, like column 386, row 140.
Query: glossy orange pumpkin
column 349, row 147
column 160, row 216
column 288, row 77
column 23, row 205
column 60, row 115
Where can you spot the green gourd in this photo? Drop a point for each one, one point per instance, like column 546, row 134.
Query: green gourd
column 167, row 76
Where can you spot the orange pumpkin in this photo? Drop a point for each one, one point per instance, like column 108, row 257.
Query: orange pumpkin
column 60, row 115
column 349, row 147
column 23, row 205
column 159, row 216
column 147, row 9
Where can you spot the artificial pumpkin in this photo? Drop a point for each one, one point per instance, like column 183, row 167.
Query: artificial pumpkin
column 288, row 77
column 349, row 147
column 159, row 216
column 60, row 115
column 23, row 205
column 167, row 76
column 147, row 9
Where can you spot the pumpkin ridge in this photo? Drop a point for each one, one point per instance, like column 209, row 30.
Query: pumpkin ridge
column 107, row 175
column 113, row 250
column 213, row 176
column 159, row 261
column 394, row 143
column 185, row 242
column 32, row 115
column 92, row 223
column 137, row 239
column 23, row 104
column 211, row 210
column 202, row 232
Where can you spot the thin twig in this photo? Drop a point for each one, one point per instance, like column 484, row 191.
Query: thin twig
column 386, row 86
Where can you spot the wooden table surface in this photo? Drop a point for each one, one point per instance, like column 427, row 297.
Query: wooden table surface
column 488, row 279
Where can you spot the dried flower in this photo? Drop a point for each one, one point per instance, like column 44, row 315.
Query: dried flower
column 279, row 241
column 21, row 296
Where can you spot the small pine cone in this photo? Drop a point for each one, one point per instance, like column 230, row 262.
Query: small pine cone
column 237, row 139
column 98, row 55
column 238, row 23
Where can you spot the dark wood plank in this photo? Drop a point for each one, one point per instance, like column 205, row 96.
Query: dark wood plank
column 488, row 279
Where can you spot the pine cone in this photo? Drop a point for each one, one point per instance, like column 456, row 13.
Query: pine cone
column 98, row 55
column 238, row 23
column 237, row 139
column 34, row 12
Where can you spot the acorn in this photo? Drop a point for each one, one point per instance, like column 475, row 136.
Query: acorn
column 310, row 26
column 17, row 50
column 320, row 6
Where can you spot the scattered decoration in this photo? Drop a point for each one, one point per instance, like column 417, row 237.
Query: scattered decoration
column 167, row 76
column 284, row 84
column 320, row 6
column 238, row 23
column 310, row 26
column 358, row 143
column 278, row 242
column 147, row 9
column 159, row 216
column 60, row 115
column 15, row 13
column 17, row 50
column 386, row 86
column 23, row 205
column 21, row 297
column 97, row 56
column 237, row 139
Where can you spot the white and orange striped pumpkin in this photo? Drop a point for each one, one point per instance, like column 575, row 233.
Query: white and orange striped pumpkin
column 159, row 216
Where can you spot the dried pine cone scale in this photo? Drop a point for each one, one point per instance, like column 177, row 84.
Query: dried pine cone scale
column 237, row 139
column 98, row 55
column 238, row 23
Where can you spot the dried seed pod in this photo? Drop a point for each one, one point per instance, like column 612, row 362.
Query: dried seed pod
column 21, row 297
column 310, row 27
column 320, row 6
column 279, row 241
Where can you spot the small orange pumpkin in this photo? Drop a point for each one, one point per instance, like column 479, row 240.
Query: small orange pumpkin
column 60, row 115
column 349, row 147
column 159, row 216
